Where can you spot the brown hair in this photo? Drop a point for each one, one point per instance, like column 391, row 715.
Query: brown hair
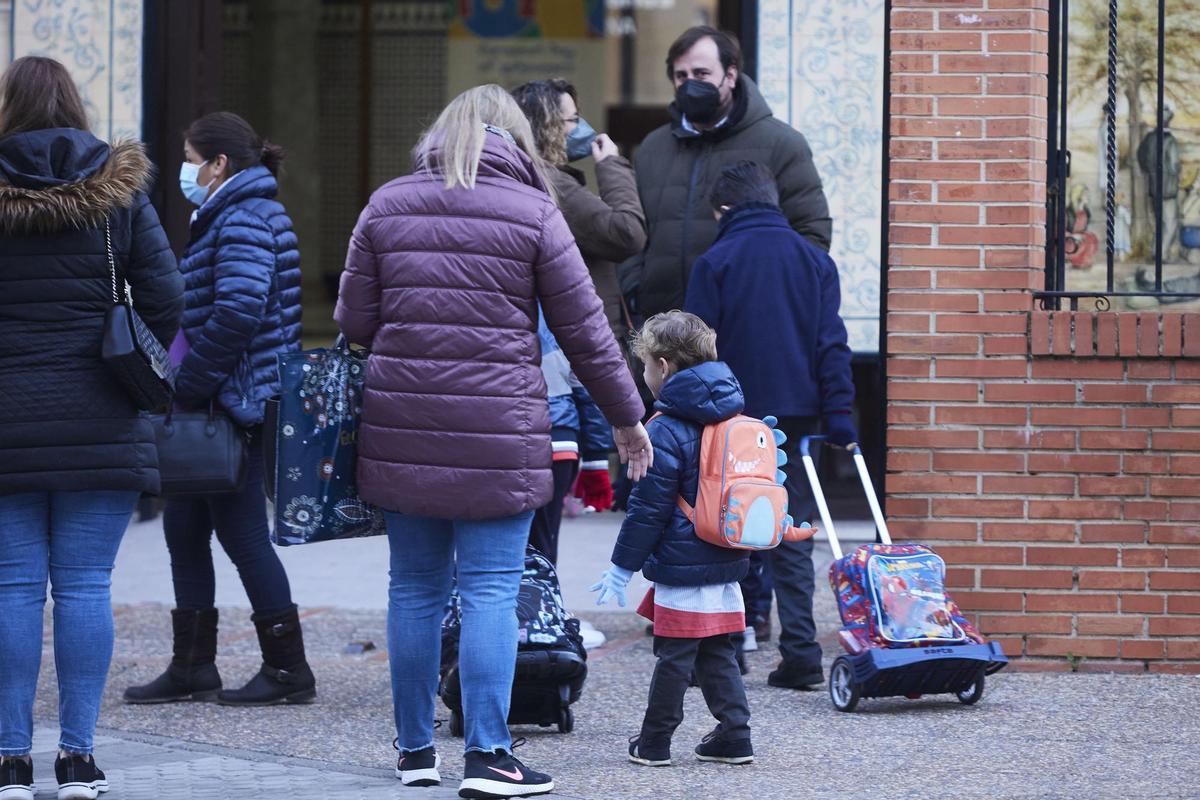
column 681, row 338
column 540, row 102
column 225, row 133
column 37, row 93
column 728, row 47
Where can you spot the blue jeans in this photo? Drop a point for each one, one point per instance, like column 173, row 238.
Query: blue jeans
column 240, row 521
column 490, row 556
column 71, row 538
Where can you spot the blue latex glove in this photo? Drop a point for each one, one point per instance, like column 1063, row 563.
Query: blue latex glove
column 612, row 584
column 839, row 429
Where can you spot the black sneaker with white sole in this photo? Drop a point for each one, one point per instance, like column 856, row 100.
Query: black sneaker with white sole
column 725, row 751
column 419, row 768
column 16, row 779
column 647, row 754
column 499, row 774
column 79, row 778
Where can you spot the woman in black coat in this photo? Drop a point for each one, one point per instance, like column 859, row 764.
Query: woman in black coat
column 74, row 451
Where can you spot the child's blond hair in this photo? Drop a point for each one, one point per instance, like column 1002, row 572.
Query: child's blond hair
column 681, row 338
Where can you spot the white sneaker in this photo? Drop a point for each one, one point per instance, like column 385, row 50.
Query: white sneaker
column 592, row 638
column 749, row 640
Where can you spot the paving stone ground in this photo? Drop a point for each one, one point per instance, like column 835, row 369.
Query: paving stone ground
column 1032, row 736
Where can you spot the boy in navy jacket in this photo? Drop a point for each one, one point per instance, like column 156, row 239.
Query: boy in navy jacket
column 695, row 604
column 773, row 297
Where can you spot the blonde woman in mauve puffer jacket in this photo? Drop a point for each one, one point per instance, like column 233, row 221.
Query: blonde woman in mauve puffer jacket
column 443, row 278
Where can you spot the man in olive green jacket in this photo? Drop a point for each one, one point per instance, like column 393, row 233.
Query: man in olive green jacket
column 719, row 118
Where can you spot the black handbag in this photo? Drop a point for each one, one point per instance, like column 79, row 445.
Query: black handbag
column 133, row 354
column 200, row 452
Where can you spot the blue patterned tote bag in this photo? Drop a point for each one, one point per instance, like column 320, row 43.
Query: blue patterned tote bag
column 315, row 448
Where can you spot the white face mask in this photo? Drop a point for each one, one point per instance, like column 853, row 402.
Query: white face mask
column 193, row 191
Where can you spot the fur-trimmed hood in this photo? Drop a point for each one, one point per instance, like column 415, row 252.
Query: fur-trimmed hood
column 58, row 179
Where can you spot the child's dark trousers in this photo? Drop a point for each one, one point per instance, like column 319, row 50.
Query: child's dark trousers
column 714, row 660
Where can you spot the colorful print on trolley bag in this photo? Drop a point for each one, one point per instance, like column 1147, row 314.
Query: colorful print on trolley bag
column 740, row 499
column 893, row 595
column 316, row 445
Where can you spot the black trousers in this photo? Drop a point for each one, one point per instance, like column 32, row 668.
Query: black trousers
column 543, row 531
column 790, row 566
column 714, row 660
column 240, row 522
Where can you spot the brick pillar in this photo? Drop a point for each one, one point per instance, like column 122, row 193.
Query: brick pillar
column 1019, row 438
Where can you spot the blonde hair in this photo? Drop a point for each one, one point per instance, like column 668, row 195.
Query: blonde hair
column 681, row 338
column 454, row 142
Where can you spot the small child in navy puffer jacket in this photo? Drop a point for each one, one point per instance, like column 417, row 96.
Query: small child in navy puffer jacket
column 695, row 604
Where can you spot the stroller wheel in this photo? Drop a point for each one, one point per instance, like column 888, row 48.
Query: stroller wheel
column 566, row 721
column 971, row 694
column 456, row 723
column 844, row 691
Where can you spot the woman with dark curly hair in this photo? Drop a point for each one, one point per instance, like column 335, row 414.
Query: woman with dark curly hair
column 608, row 229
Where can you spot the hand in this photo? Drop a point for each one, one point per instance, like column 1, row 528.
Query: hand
column 595, row 489
column 839, row 431
column 603, row 147
column 634, row 448
column 612, row 584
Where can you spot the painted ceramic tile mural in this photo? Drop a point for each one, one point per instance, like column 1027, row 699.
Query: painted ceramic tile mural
column 821, row 69
column 100, row 42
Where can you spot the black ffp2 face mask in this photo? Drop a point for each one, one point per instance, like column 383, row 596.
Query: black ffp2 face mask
column 699, row 101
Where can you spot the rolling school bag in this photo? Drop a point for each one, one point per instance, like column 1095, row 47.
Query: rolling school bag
column 551, row 660
column 902, row 632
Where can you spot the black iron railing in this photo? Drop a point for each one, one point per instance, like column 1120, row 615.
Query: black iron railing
column 1060, row 243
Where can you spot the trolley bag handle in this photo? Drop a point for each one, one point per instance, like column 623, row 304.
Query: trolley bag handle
column 860, row 463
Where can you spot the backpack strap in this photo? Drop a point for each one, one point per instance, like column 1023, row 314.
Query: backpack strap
column 687, row 510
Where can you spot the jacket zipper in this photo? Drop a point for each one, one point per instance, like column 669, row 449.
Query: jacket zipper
column 687, row 214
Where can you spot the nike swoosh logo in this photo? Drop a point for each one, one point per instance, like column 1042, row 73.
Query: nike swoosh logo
column 514, row 775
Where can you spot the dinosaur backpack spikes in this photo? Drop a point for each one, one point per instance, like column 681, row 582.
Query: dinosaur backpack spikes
column 740, row 500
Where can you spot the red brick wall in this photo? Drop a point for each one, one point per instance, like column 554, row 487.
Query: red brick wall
column 1049, row 457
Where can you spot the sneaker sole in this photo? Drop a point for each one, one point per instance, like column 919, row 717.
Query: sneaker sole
column 485, row 789
column 726, row 759
column 650, row 762
column 194, row 697
column 16, row 792
column 421, row 777
column 80, row 791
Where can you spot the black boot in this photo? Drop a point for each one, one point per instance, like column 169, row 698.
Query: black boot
column 192, row 674
column 284, row 676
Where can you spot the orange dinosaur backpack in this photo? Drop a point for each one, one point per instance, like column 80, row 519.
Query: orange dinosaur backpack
column 740, row 504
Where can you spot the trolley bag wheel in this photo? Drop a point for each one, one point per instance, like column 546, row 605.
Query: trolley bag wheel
column 844, row 691
column 566, row 720
column 971, row 695
column 456, row 723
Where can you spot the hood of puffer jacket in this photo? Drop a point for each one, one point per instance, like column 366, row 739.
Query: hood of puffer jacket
column 62, row 178
column 705, row 393
column 498, row 159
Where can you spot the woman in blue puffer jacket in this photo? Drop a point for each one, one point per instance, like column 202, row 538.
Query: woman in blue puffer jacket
column 242, row 274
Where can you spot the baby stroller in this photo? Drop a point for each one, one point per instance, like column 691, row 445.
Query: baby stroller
column 903, row 634
column 551, row 660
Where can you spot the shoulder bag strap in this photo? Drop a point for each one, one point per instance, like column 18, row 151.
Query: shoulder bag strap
column 120, row 290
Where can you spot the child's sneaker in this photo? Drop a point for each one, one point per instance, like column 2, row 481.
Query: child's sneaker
column 648, row 756
column 16, row 779
column 79, row 778
column 419, row 768
column 499, row 774
column 714, row 748
column 749, row 640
